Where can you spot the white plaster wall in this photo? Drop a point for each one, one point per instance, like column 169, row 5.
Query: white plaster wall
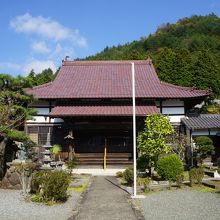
column 173, row 110
column 201, row 132
column 42, row 111
column 176, row 119
column 57, row 120
column 42, row 119
column 214, row 131
column 205, row 132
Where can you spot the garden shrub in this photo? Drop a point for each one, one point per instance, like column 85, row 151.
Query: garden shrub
column 142, row 163
column 38, row 178
column 51, row 185
column 205, row 147
column 37, row 198
column 119, row 174
column 169, row 167
column 71, row 164
column 128, row 175
column 179, row 180
column 196, row 175
column 145, row 182
column 218, row 170
column 55, row 187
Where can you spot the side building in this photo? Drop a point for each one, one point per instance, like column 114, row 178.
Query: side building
column 92, row 101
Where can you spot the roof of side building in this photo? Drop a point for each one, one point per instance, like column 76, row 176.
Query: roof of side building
column 204, row 121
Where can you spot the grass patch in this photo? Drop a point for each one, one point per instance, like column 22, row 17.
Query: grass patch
column 37, row 198
column 207, row 189
column 79, row 189
column 203, row 188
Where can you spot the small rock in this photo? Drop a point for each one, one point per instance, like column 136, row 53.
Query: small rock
column 75, row 185
column 153, row 182
column 164, row 182
column 14, row 179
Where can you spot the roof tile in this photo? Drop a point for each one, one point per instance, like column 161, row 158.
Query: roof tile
column 110, row 79
column 202, row 122
column 63, row 111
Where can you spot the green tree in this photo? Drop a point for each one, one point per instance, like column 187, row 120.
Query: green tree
column 133, row 55
column 182, row 74
column 38, row 79
column 206, row 73
column 165, row 63
column 151, row 142
column 205, row 147
column 14, row 111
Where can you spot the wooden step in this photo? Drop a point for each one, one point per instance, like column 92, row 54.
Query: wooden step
column 102, row 154
column 108, row 163
column 119, row 162
column 108, row 159
column 98, row 158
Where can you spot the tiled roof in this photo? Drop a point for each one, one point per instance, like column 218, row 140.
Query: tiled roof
column 110, row 79
column 101, row 111
column 202, row 122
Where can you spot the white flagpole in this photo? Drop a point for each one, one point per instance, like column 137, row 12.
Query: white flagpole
column 134, row 128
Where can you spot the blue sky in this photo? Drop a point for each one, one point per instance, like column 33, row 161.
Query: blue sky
column 38, row 34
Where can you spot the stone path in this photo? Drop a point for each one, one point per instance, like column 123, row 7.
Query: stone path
column 105, row 201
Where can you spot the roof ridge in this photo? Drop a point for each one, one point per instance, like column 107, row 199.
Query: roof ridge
column 185, row 88
column 106, row 62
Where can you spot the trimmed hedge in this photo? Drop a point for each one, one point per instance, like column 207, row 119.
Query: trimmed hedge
column 169, row 167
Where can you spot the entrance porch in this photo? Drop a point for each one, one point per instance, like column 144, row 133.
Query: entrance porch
column 99, row 139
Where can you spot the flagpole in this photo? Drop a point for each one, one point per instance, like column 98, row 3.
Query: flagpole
column 134, row 129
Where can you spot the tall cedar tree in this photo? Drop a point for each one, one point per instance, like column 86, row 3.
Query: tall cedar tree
column 175, row 49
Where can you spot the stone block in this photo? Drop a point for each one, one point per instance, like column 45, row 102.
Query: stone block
column 14, row 179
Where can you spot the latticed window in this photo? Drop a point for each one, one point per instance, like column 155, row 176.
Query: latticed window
column 40, row 134
column 32, row 131
column 43, row 135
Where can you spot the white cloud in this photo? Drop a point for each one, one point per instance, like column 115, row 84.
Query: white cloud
column 9, row 66
column 39, row 65
column 61, row 51
column 46, row 28
column 40, row 47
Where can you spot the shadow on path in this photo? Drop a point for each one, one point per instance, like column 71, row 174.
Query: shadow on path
column 116, row 184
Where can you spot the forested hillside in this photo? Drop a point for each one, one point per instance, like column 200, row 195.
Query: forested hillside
column 186, row 53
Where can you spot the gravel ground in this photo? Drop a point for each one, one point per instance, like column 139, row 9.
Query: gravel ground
column 181, row 205
column 14, row 207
